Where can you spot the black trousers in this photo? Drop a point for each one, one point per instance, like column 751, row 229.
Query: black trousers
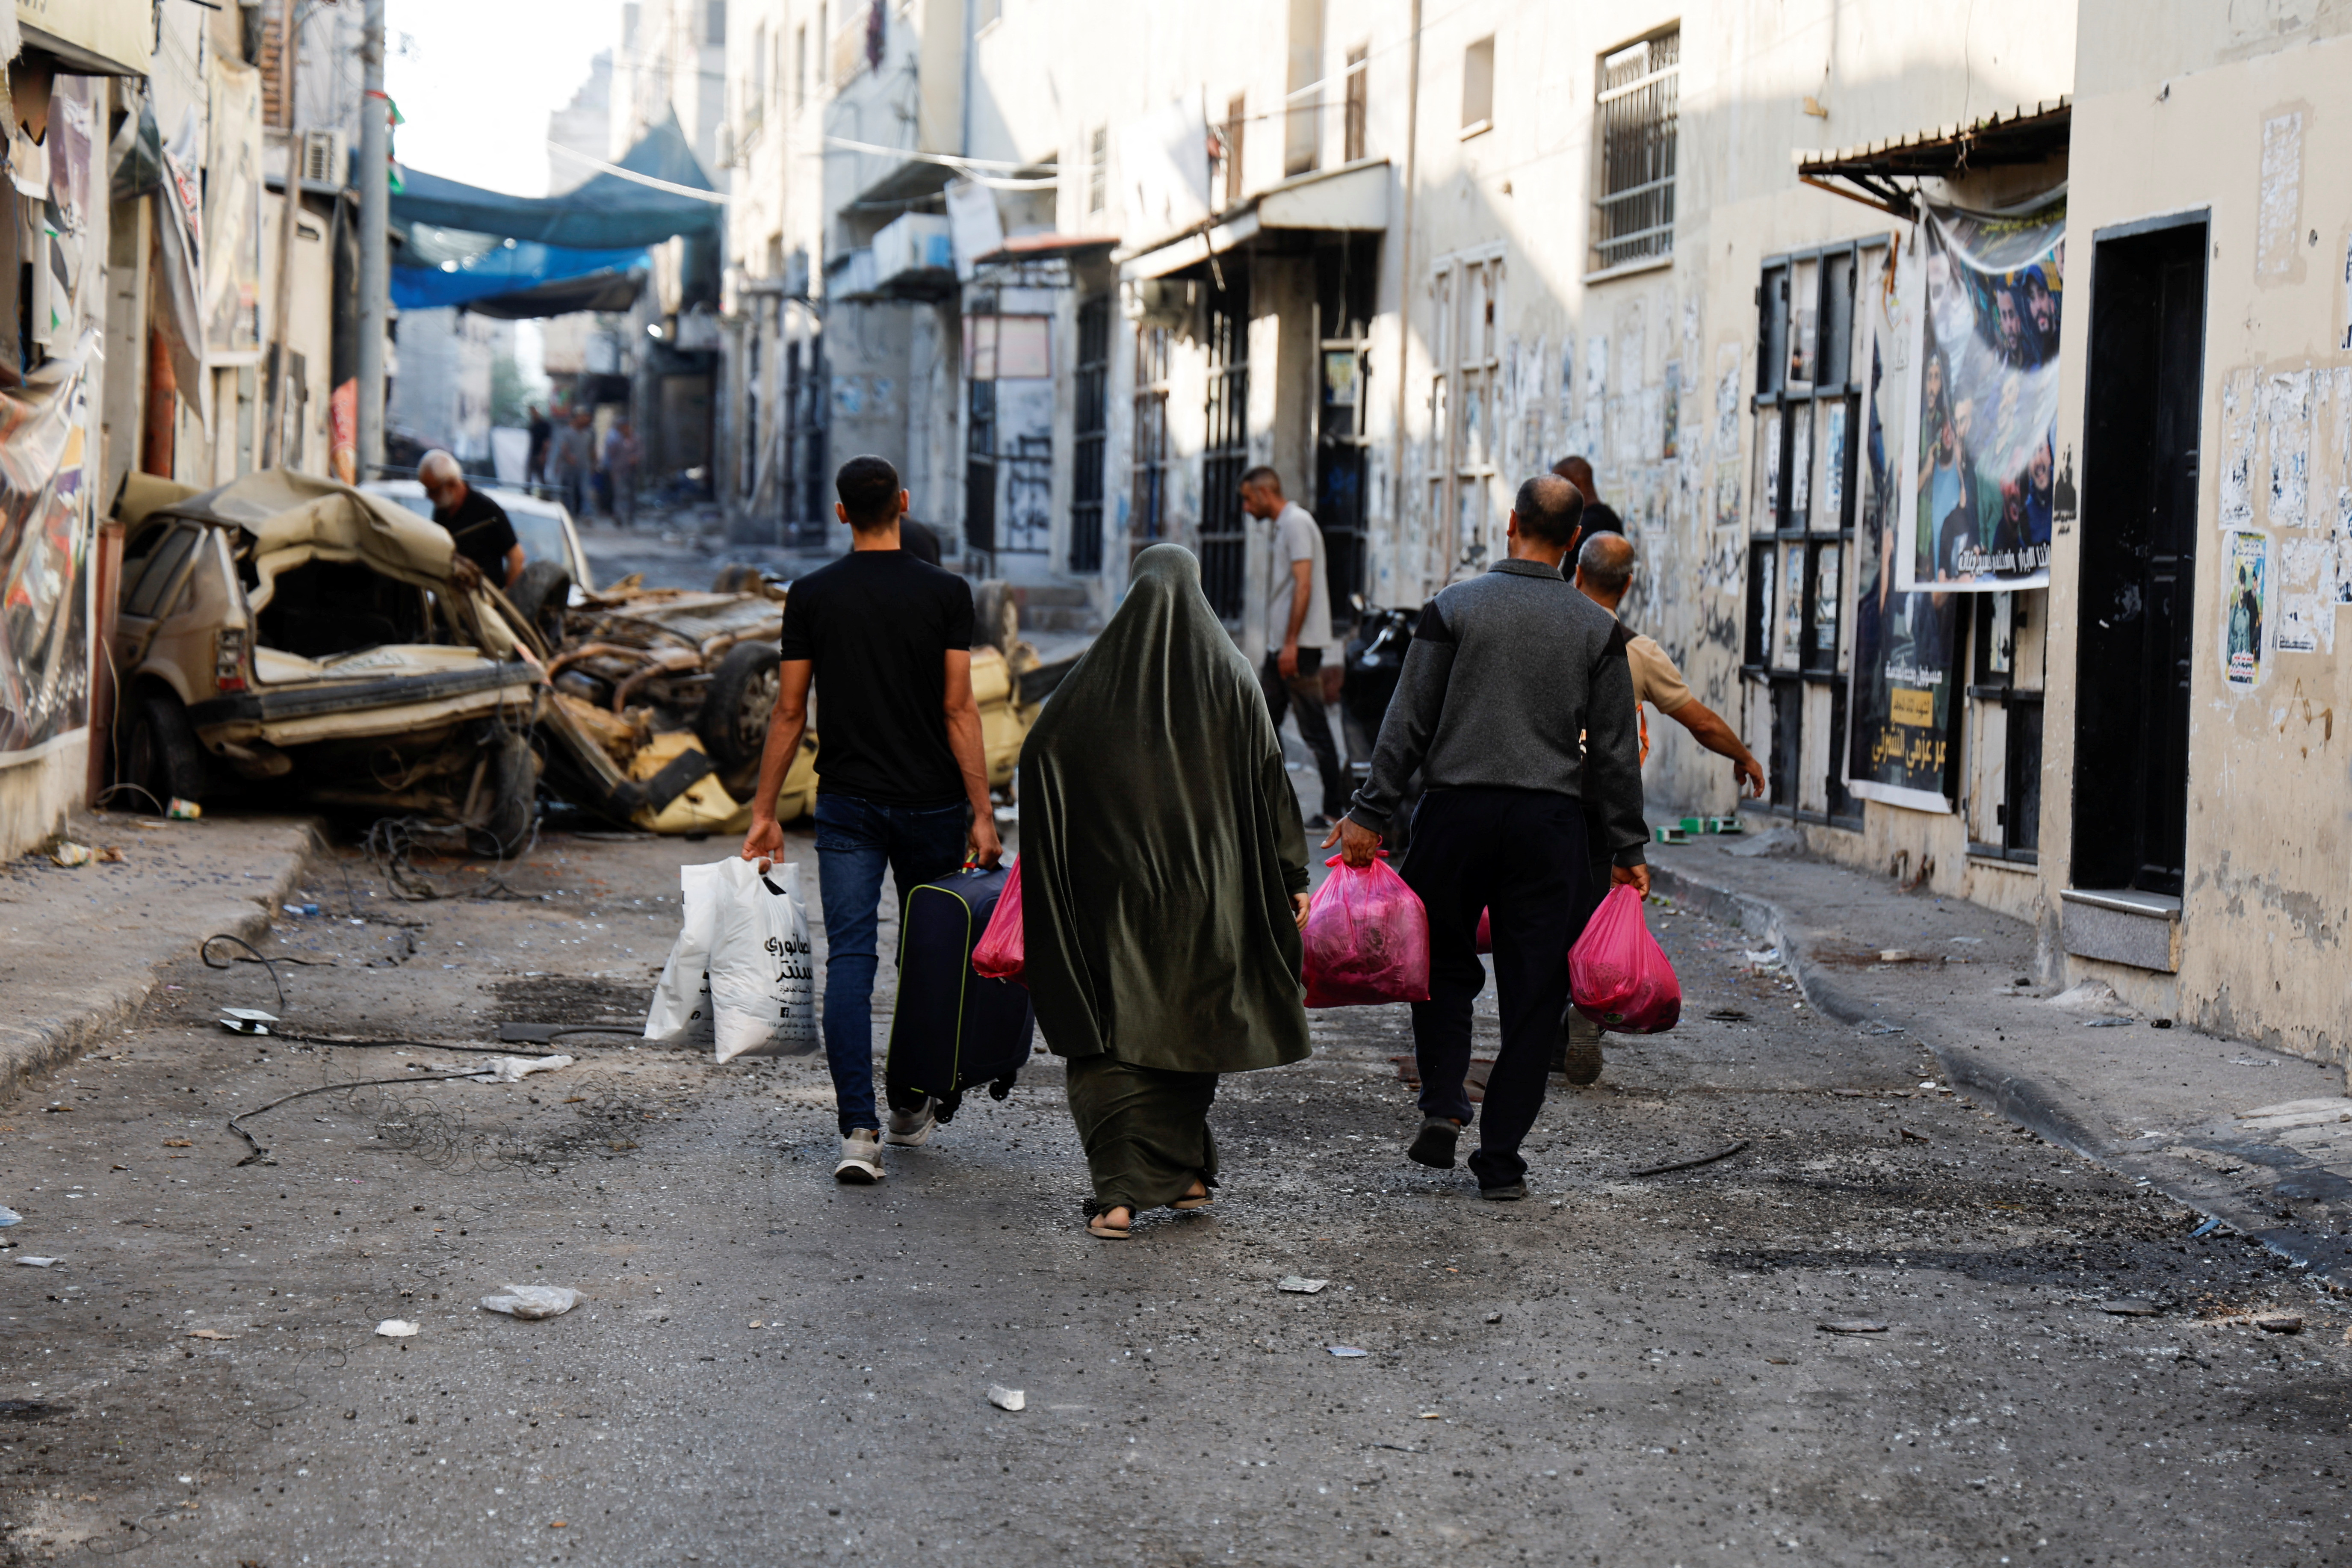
column 1306, row 690
column 1522, row 855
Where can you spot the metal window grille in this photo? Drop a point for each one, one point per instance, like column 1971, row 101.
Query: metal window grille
column 980, row 469
column 1226, row 453
column 1148, row 497
column 1093, row 428
column 1633, row 215
column 1351, row 136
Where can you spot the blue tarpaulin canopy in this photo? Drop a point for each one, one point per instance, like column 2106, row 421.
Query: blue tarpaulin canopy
column 509, row 268
column 609, row 212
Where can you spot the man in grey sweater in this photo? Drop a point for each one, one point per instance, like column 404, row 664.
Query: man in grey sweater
column 1517, row 703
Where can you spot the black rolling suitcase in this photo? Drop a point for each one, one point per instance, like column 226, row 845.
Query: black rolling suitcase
column 953, row 1029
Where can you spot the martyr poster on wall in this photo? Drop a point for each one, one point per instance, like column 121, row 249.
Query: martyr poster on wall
column 44, row 557
column 1903, row 707
column 1975, row 511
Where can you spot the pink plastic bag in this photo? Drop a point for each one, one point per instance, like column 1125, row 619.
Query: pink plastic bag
column 1367, row 938
column 1000, row 953
column 1486, row 931
column 1618, row 974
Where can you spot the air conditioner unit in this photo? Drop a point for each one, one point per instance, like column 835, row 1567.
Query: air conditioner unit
column 325, row 157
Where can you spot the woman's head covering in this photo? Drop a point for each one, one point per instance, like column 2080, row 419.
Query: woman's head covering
column 1160, row 843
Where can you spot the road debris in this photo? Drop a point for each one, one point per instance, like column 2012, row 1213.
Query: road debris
column 1005, row 1398
column 514, row 1070
column 1298, row 1285
column 1690, row 1165
column 1346, row 1351
column 9, row 1216
column 1853, row 1326
column 69, row 854
column 391, row 1329
column 2207, row 1229
column 531, row 1301
column 2130, row 1308
column 36, row 1263
column 1493, row 1317
column 2277, row 1322
column 208, row 1335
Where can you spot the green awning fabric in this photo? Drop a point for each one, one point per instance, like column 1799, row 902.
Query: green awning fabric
column 607, row 212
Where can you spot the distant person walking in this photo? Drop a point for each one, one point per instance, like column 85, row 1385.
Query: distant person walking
column 1517, row 703
column 569, row 458
column 1298, row 630
column 476, row 523
column 902, row 780
column 1163, row 880
column 1598, row 516
column 542, row 430
column 622, row 452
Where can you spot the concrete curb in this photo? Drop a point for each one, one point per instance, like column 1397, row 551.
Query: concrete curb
column 2015, row 1097
column 31, row 1045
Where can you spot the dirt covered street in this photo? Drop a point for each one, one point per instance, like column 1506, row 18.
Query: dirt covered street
column 2044, row 1367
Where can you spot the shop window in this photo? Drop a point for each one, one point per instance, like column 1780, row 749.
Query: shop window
column 1800, row 515
column 1638, row 106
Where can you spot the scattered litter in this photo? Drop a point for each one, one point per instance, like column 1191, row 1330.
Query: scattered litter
column 514, row 1070
column 1346, row 1351
column 1895, row 955
column 2207, row 1229
column 216, row 1334
column 2278, row 1323
column 391, row 1329
column 1907, row 1136
column 2090, row 996
column 110, row 854
column 29, row 1409
column 1493, row 1317
column 1005, row 1398
column 529, row 1301
column 1690, row 1165
column 1884, row 1029
column 299, row 908
column 9, row 1216
column 36, row 1263
column 2131, row 1309
column 1727, row 1015
column 2109, row 1022
column 1300, row 1286
column 1432, row 1415
column 183, row 810
column 1929, row 1083
column 69, row 853
column 1761, row 957
column 1855, row 1326
column 245, row 1020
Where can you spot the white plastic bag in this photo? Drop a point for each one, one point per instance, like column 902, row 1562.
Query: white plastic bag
column 682, row 996
column 744, row 949
column 531, row 1301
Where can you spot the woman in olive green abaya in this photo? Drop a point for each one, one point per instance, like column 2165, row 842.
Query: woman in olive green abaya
column 1163, row 881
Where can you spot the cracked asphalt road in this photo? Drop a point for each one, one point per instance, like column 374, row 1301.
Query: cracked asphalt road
column 767, row 1367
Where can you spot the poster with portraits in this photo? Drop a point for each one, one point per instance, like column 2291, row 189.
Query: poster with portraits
column 1902, row 737
column 45, row 556
column 1976, row 507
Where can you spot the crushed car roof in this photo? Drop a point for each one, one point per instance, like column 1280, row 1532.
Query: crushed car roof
column 283, row 510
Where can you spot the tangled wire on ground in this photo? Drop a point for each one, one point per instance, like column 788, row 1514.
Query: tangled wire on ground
column 391, row 843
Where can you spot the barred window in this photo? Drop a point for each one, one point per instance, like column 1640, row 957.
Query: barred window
column 1633, row 210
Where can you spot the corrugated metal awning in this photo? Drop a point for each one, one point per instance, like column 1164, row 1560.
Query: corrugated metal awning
column 1871, row 174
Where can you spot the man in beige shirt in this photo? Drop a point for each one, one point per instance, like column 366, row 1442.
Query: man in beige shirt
column 1604, row 570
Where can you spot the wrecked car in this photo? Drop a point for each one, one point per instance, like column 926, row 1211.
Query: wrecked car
column 284, row 635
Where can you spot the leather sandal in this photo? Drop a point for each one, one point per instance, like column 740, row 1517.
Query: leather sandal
column 1198, row 1200
column 1101, row 1227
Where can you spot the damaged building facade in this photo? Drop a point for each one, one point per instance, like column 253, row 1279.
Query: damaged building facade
column 1817, row 290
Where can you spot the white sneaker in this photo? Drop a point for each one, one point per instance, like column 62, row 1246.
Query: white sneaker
column 913, row 1128
column 861, row 1159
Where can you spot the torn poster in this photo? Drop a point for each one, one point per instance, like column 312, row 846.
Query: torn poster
column 44, row 557
column 1976, row 516
column 2245, row 608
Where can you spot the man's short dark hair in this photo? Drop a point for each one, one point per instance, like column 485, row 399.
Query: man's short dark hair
column 1607, row 561
column 868, row 488
column 1575, row 469
column 1550, row 509
column 1263, row 474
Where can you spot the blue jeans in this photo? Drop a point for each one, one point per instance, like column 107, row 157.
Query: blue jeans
column 855, row 838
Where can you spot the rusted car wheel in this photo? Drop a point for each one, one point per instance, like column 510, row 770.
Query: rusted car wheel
column 513, row 784
column 733, row 722
column 160, row 753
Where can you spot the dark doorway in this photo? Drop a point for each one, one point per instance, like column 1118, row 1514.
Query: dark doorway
column 1226, row 454
column 2138, row 547
column 1093, row 430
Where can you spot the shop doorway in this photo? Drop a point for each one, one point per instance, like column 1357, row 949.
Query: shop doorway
column 2139, row 527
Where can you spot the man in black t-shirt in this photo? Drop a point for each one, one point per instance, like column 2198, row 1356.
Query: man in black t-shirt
column 902, row 781
column 474, row 521
column 1598, row 516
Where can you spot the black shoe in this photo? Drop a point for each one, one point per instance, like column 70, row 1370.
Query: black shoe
column 1319, row 823
column 1509, row 1192
column 1433, row 1144
column 1580, row 1048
